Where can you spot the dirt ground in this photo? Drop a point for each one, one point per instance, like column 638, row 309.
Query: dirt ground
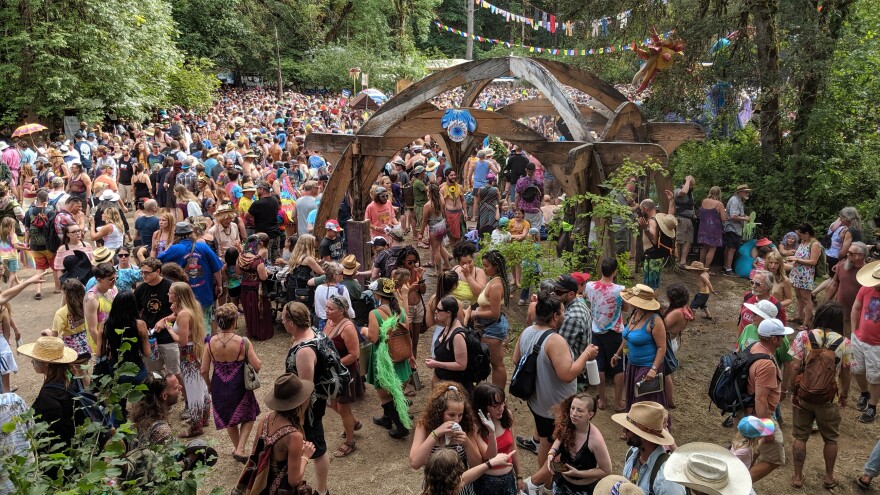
column 380, row 464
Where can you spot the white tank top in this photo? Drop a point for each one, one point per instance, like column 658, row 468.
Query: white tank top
column 114, row 239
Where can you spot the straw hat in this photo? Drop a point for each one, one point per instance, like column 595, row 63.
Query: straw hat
column 642, row 297
column 289, row 392
column 102, row 255
column 614, row 484
column 696, row 266
column 709, row 469
column 49, row 350
column 743, row 188
column 224, row 211
column 667, row 223
column 350, row 265
column 869, row 275
column 248, row 187
column 646, row 419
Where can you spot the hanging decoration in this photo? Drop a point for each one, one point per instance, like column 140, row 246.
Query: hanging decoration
column 658, row 56
column 552, row 51
column 458, row 123
column 550, row 23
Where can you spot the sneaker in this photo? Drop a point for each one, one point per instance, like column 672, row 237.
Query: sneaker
column 728, row 422
column 863, row 401
column 527, row 444
column 728, row 272
column 868, row 415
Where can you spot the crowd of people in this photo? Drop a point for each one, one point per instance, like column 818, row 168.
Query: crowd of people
column 193, row 236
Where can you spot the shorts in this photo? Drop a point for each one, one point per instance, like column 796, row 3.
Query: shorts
column 608, row 343
column 416, row 313
column 866, row 360
column 774, row 453
column 652, row 268
column 732, row 240
column 11, row 265
column 313, row 429
column 44, row 259
column 700, row 301
column 124, row 192
column 685, row 230
column 827, row 417
column 235, row 292
column 169, row 359
column 544, row 426
column 504, row 484
column 496, row 329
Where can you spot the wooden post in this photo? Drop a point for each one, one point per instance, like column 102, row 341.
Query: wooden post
column 357, row 235
column 470, row 27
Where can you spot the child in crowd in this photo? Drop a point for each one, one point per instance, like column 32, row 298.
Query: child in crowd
column 500, row 235
column 9, row 246
column 401, row 277
column 762, row 248
column 749, row 435
column 704, row 288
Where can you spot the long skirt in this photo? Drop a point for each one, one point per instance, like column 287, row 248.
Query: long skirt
column 635, row 374
column 257, row 313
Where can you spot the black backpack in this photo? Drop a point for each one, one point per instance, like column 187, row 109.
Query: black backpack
column 728, row 387
column 331, row 376
column 478, row 366
column 41, row 225
column 664, row 248
column 525, row 375
column 531, row 192
column 389, row 262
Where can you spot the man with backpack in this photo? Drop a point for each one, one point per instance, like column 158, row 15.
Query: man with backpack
column 646, row 435
column 39, row 222
column 658, row 239
column 529, row 193
column 764, row 384
column 821, row 356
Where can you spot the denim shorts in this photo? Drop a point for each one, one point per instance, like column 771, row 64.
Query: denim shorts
column 497, row 330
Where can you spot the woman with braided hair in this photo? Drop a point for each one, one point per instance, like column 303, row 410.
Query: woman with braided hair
column 487, row 316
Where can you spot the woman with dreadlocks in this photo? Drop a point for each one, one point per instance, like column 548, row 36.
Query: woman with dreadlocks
column 487, row 316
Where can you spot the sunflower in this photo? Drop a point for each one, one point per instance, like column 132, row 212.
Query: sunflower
column 452, row 190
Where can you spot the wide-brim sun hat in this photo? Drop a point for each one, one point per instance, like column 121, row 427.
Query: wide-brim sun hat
column 743, row 188
column 667, row 223
column 49, row 350
column 709, row 469
column 289, row 392
column 385, row 287
column 646, row 420
column 869, row 275
column 350, row 265
column 224, row 211
column 616, row 485
column 102, row 255
column 696, row 266
column 642, row 297
column 765, row 309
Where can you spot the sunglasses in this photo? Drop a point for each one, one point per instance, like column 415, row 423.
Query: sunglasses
column 147, row 272
column 122, row 255
column 755, row 283
column 559, row 292
column 441, row 310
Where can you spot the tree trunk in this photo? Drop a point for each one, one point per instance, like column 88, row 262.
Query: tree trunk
column 764, row 17
column 820, row 52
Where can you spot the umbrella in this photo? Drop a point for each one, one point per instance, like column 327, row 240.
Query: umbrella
column 28, row 129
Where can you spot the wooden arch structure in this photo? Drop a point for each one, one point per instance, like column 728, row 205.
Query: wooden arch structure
column 580, row 165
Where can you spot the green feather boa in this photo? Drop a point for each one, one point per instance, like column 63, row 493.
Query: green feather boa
column 386, row 376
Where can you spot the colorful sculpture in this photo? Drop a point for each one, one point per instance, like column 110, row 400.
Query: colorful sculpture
column 458, row 123
column 658, row 56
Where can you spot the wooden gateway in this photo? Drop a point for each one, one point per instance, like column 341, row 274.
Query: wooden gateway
column 579, row 165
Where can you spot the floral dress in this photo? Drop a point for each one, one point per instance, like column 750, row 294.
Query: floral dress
column 198, row 400
column 802, row 276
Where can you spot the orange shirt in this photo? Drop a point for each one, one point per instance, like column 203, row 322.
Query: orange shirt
column 764, row 373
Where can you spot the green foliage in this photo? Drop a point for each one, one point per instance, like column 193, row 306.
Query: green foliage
column 328, row 67
column 193, row 85
column 84, row 467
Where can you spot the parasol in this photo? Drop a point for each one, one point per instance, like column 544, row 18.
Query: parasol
column 28, row 129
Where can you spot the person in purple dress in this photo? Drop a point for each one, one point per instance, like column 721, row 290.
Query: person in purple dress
column 235, row 408
column 254, row 299
column 712, row 216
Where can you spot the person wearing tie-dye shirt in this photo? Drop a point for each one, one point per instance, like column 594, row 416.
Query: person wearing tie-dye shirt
column 606, row 304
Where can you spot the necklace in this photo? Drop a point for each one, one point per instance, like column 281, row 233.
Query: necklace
column 224, row 342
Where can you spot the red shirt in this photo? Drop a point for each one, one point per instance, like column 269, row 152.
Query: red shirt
column 869, row 319
column 746, row 317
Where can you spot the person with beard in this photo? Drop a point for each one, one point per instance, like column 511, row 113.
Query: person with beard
column 380, row 214
column 646, row 435
column 452, row 199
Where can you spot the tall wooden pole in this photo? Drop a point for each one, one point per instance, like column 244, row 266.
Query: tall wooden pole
column 470, row 27
column 280, row 88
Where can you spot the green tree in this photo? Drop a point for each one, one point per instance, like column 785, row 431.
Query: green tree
column 193, row 85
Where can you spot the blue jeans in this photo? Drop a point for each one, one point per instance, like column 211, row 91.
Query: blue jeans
column 872, row 467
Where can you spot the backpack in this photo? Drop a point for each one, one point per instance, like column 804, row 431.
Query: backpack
column 661, row 460
column 478, row 367
column 525, row 375
column 530, row 193
column 821, row 263
column 389, row 262
column 664, row 248
column 816, row 382
column 331, row 376
column 728, row 387
column 42, row 225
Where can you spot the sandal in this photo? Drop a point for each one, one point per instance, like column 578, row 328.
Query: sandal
column 357, row 427
column 796, row 484
column 863, row 484
column 410, row 393
column 38, row 296
column 830, row 485
column 423, row 245
column 600, row 404
column 344, row 450
column 240, row 458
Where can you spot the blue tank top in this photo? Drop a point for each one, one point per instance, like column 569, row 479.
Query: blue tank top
column 640, row 344
column 481, row 170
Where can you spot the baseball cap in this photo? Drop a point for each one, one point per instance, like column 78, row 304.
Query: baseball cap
column 755, row 427
column 580, row 277
column 566, row 283
column 378, row 241
column 773, row 327
column 333, row 225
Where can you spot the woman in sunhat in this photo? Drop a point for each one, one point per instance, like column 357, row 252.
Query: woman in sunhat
column 644, row 344
column 282, row 434
column 54, row 404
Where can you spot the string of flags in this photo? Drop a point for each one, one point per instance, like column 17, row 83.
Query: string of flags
column 549, row 22
column 570, row 52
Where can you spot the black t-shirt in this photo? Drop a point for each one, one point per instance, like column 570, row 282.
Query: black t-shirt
column 516, row 167
column 265, row 213
column 55, row 406
column 126, row 170
column 154, row 305
column 333, row 249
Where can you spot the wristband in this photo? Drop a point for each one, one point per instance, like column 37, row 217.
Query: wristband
column 433, row 434
column 554, row 451
column 489, row 464
column 306, row 459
